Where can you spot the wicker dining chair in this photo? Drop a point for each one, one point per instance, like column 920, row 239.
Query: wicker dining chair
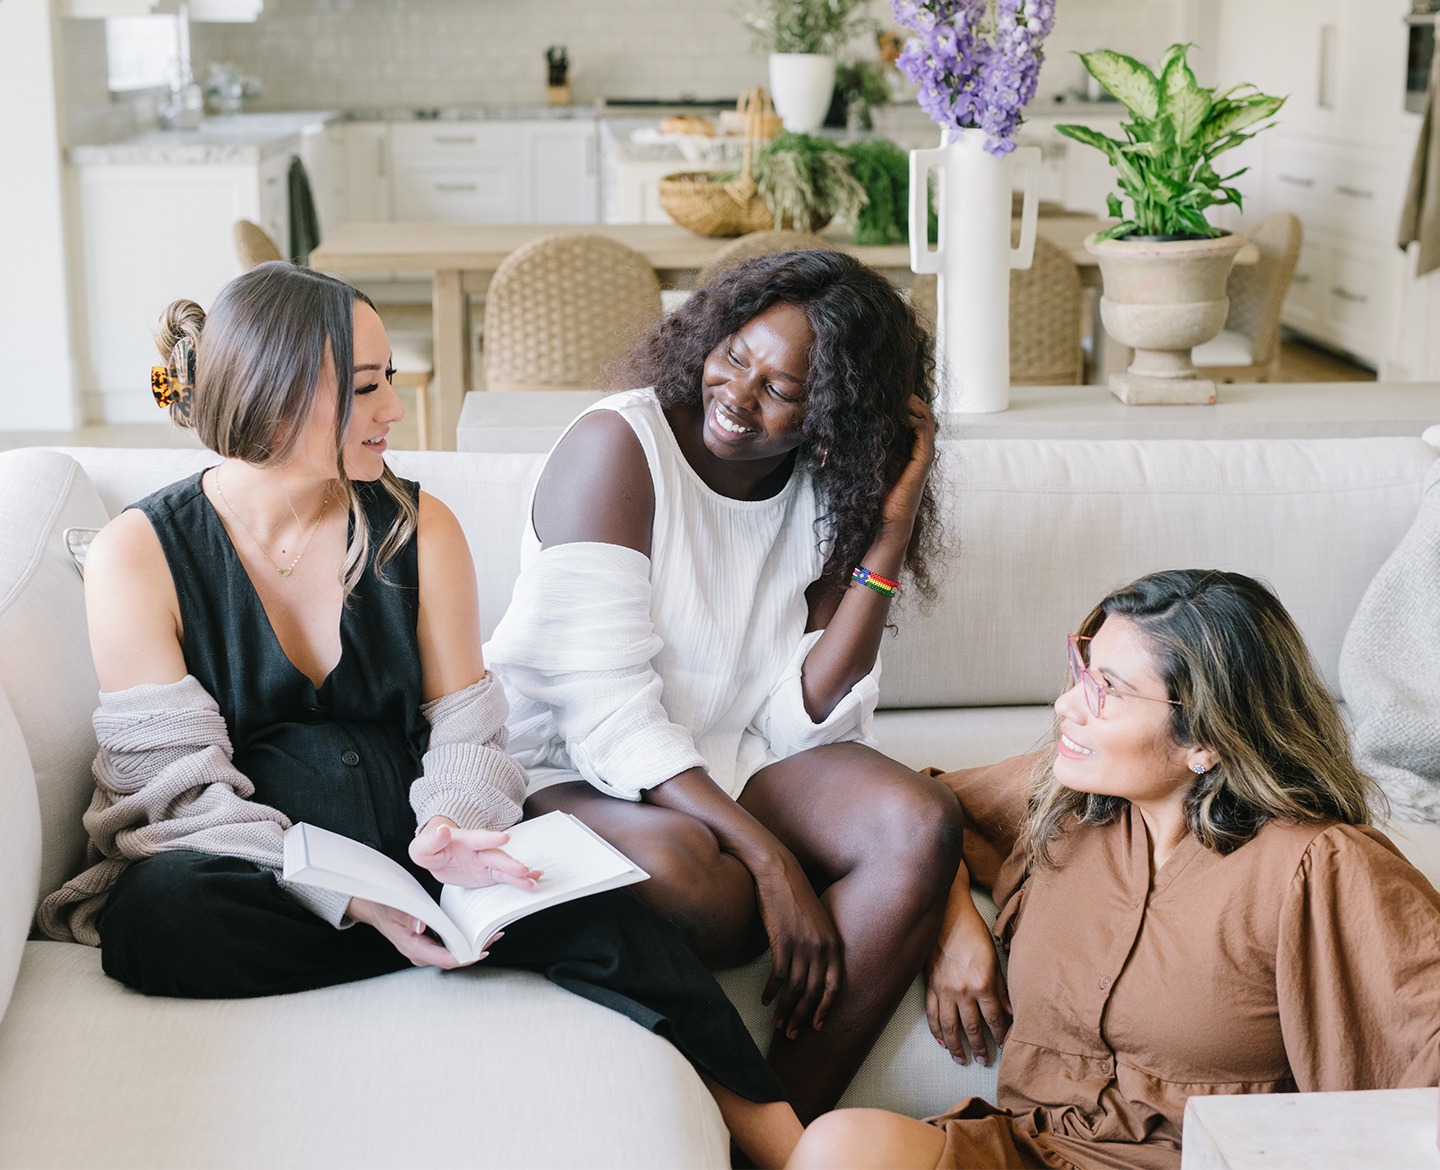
column 413, row 353
column 562, row 307
column 1045, row 318
column 1248, row 348
column 762, row 243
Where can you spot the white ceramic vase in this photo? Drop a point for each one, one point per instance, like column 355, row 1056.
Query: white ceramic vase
column 972, row 260
column 801, row 85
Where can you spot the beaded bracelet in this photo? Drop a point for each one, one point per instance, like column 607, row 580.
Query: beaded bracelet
column 881, row 585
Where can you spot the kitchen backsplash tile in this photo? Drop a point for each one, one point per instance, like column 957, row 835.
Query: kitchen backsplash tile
column 345, row 54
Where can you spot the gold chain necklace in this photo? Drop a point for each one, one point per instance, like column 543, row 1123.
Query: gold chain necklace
column 285, row 572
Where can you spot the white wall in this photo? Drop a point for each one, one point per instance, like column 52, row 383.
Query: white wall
column 37, row 383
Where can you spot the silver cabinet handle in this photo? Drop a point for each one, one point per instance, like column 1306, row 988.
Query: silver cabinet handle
column 1297, row 181
column 1346, row 295
column 1355, row 192
column 455, row 139
column 457, row 186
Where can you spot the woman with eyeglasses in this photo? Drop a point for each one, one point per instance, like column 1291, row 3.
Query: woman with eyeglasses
column 1192, row 895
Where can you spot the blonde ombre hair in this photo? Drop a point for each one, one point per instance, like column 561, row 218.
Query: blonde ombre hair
column 260, row 354
column 1245, row 687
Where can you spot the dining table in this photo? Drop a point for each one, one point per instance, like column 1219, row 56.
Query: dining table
column 461, row 259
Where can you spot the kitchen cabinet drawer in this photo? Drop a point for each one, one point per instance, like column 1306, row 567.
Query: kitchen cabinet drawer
column 1343, row 292
column 452, row 145
column 1335, row 187
column 485, row 193
column 1356, row 297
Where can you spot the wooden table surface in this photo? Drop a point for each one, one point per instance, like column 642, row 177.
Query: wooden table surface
column 463, row 257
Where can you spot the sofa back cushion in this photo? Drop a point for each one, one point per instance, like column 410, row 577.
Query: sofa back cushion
column 1040, row 530
column 45, row 668
column 19, row 849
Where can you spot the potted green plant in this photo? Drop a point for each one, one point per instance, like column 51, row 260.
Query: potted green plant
column 801, row 37
column 1164, row 265
column 806, row 181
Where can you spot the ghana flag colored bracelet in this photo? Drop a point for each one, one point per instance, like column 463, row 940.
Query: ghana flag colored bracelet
column 882, row 585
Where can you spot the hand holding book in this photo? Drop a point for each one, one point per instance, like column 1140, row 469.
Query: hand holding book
column 567, row 860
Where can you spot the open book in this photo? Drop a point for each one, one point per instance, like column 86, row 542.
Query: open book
column 575, row 859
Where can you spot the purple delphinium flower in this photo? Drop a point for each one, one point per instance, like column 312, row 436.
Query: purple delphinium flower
column 977, row 62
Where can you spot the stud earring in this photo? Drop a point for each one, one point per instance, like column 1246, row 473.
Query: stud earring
column 1198, row 769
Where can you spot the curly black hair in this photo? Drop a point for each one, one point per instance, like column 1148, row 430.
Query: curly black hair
column 870, row 354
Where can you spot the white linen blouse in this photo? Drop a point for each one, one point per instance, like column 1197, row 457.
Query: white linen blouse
column 625, row 670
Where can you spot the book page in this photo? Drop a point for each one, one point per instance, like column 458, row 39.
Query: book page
column 576, row 861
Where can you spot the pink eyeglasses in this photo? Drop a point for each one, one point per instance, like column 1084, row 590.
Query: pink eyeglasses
column 1093, row 685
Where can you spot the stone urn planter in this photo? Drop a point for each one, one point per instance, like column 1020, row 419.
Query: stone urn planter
column 1163, row 298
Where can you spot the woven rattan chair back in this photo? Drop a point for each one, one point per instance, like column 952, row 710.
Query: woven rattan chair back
column 758, row 244
column 1257, row 291
column 1045, row 318
column 253, row 245
column 561, row 307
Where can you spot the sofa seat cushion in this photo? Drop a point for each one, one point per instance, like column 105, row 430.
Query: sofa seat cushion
column 480, row 1068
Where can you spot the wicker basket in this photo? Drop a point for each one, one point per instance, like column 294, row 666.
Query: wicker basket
column 695, row 200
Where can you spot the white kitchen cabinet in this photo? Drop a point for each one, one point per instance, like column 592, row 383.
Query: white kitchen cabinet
column 457, row 172
column 364, row 195
column 521, row 171
column 1341, row 64
column 149, row 234
column 1337, row 156
column 561, row 172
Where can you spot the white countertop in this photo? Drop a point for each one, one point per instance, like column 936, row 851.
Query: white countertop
column 230, row 138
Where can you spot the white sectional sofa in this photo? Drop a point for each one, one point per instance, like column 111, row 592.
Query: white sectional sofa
column 498, row 1069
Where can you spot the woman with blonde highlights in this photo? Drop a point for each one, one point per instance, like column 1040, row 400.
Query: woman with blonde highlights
column 293, row 635
column 1192, row 895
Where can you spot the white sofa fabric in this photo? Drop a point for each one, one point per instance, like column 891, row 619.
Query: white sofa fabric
column 499, row 1069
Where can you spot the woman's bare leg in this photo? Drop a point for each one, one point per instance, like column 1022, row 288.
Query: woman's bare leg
column 883, row 843
column 868, row 1139
column 766, row 1133
column 704, row 891
column 880, row 840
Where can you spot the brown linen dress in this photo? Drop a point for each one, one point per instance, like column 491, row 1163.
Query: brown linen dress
column 1308, row 959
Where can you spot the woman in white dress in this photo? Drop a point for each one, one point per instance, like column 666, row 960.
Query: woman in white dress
column 691, row 650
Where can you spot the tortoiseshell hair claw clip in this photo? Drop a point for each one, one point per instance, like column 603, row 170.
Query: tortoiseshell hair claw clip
column 174, row 384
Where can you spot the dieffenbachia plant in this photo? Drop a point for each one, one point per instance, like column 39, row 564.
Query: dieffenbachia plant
column 1177, row 127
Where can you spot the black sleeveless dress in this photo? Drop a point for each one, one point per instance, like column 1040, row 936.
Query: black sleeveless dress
column 343, row 755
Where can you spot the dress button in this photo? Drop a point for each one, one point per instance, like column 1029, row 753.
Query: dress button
column 349, row 759
column 1106, row 1067
column 1104, row 979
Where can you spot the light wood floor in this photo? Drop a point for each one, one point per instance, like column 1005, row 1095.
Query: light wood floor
column 1299, row 362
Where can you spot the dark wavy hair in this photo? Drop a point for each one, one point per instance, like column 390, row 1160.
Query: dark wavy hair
column 1244, row 685
column 870, row 354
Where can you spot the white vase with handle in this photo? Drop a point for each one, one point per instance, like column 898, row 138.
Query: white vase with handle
column 972, row 260
column 801, row 85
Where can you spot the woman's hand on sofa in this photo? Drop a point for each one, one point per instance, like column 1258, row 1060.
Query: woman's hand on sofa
column 964, row 986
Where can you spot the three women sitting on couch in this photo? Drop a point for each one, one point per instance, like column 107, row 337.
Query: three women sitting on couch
column 1191, row 894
